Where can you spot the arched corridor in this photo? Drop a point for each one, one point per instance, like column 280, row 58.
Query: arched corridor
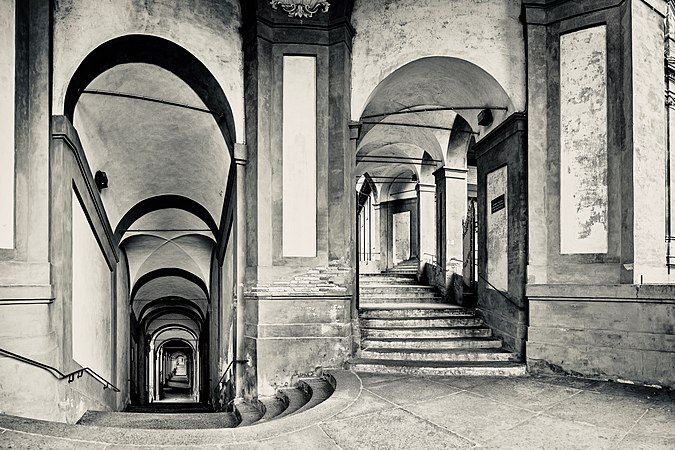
column 213, row 206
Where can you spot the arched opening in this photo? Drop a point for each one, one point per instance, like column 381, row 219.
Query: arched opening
column 419, row 127
column 153, row 118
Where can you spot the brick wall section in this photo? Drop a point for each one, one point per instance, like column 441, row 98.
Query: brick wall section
column 327, row 280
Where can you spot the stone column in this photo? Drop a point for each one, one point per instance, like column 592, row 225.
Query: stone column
column 354, row 132
column 300, row 199
column 426, row 194
column 240, row 159
column 451, row 184
column 375, row 233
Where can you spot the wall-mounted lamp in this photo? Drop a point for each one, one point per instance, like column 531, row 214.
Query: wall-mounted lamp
column 101, row 180
column 485, row 118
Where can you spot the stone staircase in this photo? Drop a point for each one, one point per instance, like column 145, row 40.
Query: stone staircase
column 308, row 393
column 408, row 328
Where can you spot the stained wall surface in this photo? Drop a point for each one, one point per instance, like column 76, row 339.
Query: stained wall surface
column 390, row 34
column 7, row 86
column 209, row 29
column 91, row 302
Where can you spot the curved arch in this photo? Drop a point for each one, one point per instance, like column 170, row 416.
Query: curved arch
column 367, row 186
column 427, row 168
column 169, row 272
column 169, row 327
column 140, row 48
column 447, row 82
column 196, row 327
column 171, row 302
column 164, row 201
column 458, row 144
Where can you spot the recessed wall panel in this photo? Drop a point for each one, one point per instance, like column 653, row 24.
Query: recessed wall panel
column 91, row 297
column 299, row 156
column 497, row 229
column 583, row 141
column 7, row 87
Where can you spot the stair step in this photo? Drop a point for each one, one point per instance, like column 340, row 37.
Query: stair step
column 454, row 368
column 423, row 343
column 169, row 408
column 403, row 293
column 436, row 332
column 402, row 299
column 297, row 398
column 470, row 354
column 372, row 311
column 391, row 280
column 370, row 287
column 159, row 421
column 274, row 406
column 422, row 322
column 250, row 412
column 318, row 389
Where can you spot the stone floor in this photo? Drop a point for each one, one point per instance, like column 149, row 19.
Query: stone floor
column 410, row 412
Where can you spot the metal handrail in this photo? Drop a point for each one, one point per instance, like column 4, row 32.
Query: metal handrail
column 225, row 372
column 60, row 375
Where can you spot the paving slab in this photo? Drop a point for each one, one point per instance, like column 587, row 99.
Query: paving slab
column 406, row 391
column 550, row 433
column 469, row 415
column 600, row 409
column 393, row 429
column 367, row 403
column 646, row 442
column 525, row 393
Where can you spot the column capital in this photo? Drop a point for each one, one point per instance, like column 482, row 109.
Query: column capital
column 423, row 187
column 451, row 172
column 354, row 130
column 240, row 154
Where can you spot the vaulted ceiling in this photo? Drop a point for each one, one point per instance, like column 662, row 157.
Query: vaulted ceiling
column 157, row 142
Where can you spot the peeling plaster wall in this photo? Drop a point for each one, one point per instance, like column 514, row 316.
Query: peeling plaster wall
column 391, row 33
column 583, row 146
column 649, row 162
column 7, row 59
column 209, row 29
column 497, row 230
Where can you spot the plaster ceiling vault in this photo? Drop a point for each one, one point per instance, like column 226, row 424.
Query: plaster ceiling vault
column 154, row 148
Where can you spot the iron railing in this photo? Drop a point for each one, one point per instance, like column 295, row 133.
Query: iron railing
column 227, row 385
column 60, row 375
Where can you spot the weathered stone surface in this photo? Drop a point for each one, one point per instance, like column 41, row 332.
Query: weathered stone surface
column 583, row 146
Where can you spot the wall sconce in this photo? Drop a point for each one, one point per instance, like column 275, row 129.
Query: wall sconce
column 101, row 180
column 485, row 118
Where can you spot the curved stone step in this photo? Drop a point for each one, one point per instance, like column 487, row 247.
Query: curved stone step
column 21, row 432
column 422, row 343
column 489, row 354
column 274, row 405
column 159, row 421
column 319, row 390
column 249, row 412
column 297, row 398
column 455, row 368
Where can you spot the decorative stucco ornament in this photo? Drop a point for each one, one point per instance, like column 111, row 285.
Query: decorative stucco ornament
column 301, row 8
